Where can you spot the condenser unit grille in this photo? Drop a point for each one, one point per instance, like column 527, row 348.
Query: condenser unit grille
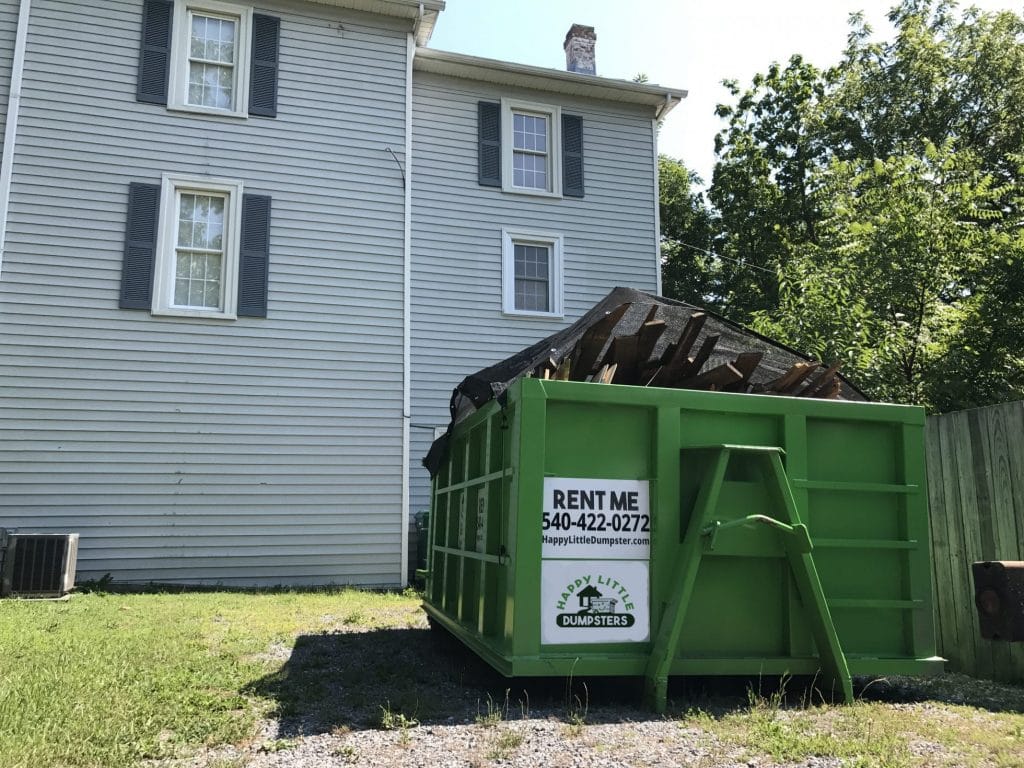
column 39, row 564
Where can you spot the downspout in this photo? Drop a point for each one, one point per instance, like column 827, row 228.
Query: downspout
column 657, row 207
column 410, row 53
column 418, row 23
column 11, row 127
column 669, row 101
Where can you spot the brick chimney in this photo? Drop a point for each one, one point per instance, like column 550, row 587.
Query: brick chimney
column 579, row 50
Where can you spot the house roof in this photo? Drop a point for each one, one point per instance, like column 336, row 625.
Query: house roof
column 403, row 9
column 658, row 97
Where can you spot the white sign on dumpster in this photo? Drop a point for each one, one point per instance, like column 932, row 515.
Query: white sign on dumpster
column 596, row 519
column 595, row 561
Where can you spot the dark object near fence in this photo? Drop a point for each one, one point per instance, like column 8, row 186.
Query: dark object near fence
column 999, row 598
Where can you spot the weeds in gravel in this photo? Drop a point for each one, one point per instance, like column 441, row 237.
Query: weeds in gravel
column 347, row 753
column 506, row 742
column 576, row 708
column 576, row 715
column 277, row 745
column 391, row 720
column 495, row 712
column 227, row 762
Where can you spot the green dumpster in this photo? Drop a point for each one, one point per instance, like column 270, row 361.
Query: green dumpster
column 588, row 529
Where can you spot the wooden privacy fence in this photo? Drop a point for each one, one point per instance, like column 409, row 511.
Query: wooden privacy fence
column 976, row 500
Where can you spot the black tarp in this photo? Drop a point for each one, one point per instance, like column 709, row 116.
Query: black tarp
column 489, row 383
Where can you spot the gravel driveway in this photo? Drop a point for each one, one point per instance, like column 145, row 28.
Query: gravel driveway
column 412, row 697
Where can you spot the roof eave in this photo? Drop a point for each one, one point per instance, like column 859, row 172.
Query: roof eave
column 423, row 13
column 659, row 98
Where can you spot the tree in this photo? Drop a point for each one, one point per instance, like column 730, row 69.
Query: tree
column 900, row 284
column 689, row 273
column 761, row 185
column 872, row 213
column 941, row 78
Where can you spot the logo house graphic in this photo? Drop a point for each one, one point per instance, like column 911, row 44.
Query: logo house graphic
column 595, row 609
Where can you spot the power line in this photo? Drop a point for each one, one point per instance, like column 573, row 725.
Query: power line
column 726, row 258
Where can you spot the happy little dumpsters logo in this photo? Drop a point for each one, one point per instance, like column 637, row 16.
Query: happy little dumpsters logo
column 594, row 607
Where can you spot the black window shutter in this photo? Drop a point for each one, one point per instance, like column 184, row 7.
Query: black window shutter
column 489, row 137
column 140, row 246
column 266, row 35
column 254, row 256
column 572, row 155
column 155, row 51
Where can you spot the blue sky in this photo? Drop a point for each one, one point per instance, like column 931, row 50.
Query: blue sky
column 689, row 44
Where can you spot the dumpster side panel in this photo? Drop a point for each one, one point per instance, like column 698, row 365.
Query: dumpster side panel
column 855, row 472
column 468, row 586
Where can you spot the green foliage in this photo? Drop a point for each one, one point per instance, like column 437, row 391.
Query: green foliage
column 689, row 272
column 761, row 187
column 901, row 278
column 872, row 213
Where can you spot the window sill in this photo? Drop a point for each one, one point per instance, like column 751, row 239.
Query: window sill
column 524, row 315
column 532, row 192
column 209, row 111
column 194, row 313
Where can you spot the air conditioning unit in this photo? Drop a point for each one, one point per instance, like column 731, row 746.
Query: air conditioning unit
column 38, row 564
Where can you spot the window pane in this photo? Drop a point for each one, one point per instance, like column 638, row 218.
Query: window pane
column 211, row 70
column 210, row 85
column 197, row 42
column 531, row 261
column 197, row 281
column 532, row 296
column 201, row 222
column 529, row 170
column 213, row 39
column 529, row 132
column 532, row 283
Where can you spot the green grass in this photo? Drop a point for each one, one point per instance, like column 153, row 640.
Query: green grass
column 862, row 735
column 108, row 680
column 877, row 734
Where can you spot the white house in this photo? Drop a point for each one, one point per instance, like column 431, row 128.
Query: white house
column 246, row 251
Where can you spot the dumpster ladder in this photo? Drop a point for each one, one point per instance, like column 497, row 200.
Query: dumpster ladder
column 700, row 536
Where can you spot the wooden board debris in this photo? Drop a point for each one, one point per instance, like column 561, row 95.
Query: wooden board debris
column 592, row 343
column 604, row 358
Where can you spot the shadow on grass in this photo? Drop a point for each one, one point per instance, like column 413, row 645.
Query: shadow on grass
column 392, row 677
column 373, row 679
column 356, row 680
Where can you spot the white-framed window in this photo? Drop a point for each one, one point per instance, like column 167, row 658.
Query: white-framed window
column 198, row 237
column 210, row 44
column 531, row 274
column 531, row 159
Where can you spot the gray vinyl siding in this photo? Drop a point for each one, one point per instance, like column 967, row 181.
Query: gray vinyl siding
column 248, row 452
column 8, row 33
column 609, row 238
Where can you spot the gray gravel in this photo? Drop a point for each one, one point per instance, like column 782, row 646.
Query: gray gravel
column 335, row 691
